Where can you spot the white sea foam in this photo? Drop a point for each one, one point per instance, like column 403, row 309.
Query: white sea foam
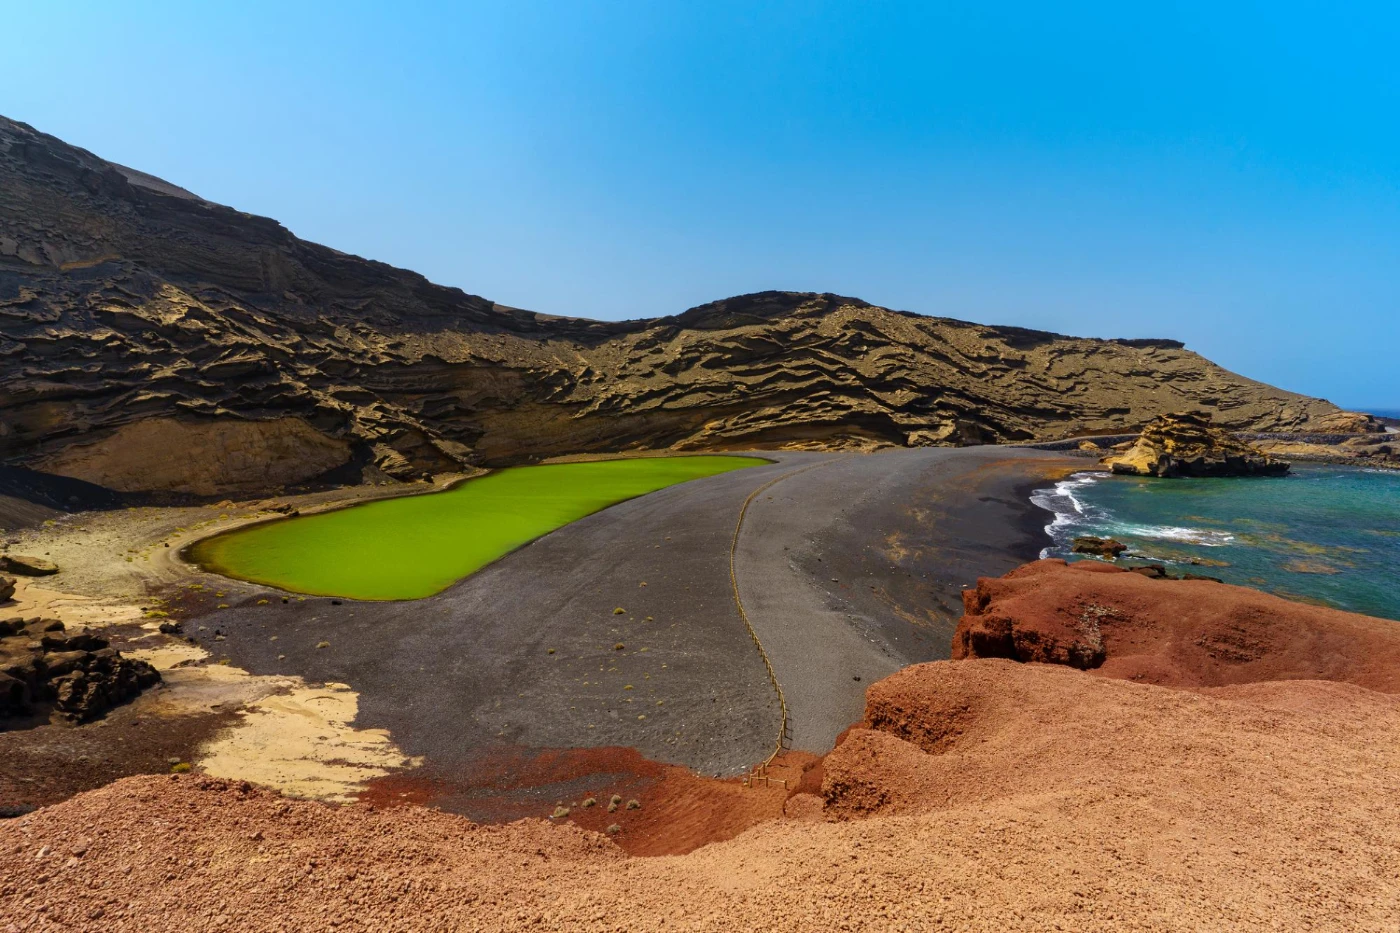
column 1073, row 514
column 1069, row 510
column 1201, row 536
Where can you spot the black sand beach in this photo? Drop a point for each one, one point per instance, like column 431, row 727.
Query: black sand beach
column 850, row 566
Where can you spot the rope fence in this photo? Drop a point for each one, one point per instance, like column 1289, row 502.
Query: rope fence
column 760, row 771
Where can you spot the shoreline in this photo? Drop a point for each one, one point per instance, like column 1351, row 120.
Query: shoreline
column 234, row 659
column 1323, row 534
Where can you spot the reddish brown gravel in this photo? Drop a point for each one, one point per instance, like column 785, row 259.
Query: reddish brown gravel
column 1178, row 633
column 679, row 810
column 1024, row 796
column 976, row 795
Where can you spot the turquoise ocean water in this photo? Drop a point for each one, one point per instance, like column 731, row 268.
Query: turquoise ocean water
column 1323, row 534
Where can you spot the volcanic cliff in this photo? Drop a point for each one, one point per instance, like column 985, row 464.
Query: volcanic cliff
column 152, row 340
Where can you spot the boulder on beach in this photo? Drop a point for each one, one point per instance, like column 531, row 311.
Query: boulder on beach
column 27, row 566
column 1187, row 444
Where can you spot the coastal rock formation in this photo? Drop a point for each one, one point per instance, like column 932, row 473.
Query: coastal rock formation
column 1187, row 444
column 81, row 676
column 1098, row 547
column 155, row 341
column 1178, row 633
column 1381, row 451
column 1350, row 422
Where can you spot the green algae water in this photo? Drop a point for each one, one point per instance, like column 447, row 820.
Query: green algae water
column 415, row 546
column 1324, row 534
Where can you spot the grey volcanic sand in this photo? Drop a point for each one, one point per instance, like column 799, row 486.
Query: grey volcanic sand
column 456, row 676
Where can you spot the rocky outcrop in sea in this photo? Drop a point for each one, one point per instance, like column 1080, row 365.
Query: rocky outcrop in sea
column 1188, row 444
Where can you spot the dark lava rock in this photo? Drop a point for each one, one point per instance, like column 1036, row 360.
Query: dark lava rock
column 80, row 676
column 1198, row 576
column 1099, row 547
column 27, row 566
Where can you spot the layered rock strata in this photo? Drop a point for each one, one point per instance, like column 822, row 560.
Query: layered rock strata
column 151, row 340
column 1188, row 444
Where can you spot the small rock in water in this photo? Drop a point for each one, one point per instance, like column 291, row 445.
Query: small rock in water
column 1098, row 547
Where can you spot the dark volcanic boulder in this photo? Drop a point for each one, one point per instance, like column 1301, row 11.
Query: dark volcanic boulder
column 80, row 675
column 1186, row 444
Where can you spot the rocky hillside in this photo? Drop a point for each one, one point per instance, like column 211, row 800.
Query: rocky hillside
column 152, row 340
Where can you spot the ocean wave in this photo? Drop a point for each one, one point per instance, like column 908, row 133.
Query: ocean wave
column 1068, row 509
column 1202, row 536
column 1074, row 516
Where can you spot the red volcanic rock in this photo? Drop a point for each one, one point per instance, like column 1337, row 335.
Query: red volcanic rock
column 1006, row 798
column 1178, row 633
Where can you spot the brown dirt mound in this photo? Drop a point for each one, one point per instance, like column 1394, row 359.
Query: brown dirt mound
column 1056, row 798
column 678, row 811
column 1178, row 633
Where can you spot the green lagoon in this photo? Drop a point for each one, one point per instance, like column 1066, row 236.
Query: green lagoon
column 415, row 546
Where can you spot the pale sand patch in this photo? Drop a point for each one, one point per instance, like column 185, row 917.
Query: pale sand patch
column 294, row 737
column 301, row 743
column 166, row 657
column 291, row 736
column 33, row 599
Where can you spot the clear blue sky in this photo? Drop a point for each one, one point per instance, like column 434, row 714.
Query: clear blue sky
column 1224, row 173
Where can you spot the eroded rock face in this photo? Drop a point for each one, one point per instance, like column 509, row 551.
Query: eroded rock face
column 204, row 458
column 1187, row 444
column 80, row 675
column 138, row 321
column 7, row 587
column 1351, row 422
column 1178, row 633
column 1364, row 450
